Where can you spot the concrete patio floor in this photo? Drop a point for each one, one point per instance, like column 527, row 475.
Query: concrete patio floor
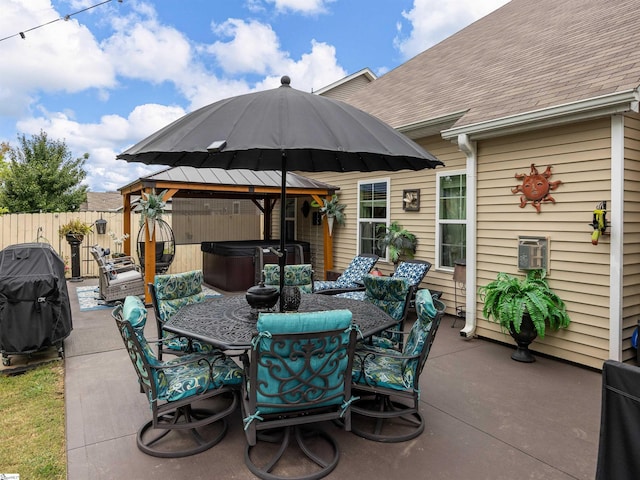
column 487, row 417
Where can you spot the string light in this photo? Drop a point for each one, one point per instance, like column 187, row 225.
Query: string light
column 65, row 18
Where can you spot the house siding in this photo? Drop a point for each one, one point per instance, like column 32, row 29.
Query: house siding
column 578, row 271
column 631, row 239
column 421, row 223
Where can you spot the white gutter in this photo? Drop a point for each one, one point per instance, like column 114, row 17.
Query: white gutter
column 604, row 105
column 616, row 231
column 431, row 126
column 469, row 149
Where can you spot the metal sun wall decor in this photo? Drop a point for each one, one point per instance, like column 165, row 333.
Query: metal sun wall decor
column 535, row 187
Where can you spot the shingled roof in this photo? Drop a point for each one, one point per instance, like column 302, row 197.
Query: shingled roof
column 525, row 56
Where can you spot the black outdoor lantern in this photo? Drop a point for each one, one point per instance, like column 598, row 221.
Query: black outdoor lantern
column 101, row 226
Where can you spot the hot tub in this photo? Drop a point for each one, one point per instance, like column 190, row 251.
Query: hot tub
column 235, row 266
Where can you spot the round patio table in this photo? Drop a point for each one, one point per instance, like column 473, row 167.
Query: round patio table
column 228, row 322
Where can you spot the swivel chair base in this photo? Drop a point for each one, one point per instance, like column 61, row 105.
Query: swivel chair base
column 319, row 447
column 182, row 432
column 370, row 415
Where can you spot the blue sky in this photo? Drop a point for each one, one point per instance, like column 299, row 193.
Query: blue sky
column 113, row 74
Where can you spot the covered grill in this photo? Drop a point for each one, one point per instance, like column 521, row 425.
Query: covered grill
column 35, row 312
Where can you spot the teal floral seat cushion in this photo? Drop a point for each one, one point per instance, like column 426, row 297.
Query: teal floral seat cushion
column 351, row 277
column 189, row 375
column 387, row 367
column 296, row 275
column 173, row 291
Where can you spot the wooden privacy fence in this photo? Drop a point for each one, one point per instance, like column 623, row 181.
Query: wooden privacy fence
column 43, row 227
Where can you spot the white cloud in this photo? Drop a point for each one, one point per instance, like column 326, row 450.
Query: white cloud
column 104, row 140
column 307, row 7
column 143, row 49
column 431, row 21
column 63, row 57
column 253, row 47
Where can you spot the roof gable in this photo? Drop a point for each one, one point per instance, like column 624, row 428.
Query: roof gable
column 525, row 56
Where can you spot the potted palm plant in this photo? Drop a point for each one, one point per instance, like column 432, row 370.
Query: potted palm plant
column 523, row 307
column 150, row 206
column 398, row 241
column 333, row 210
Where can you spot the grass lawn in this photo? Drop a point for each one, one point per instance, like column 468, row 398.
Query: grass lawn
column 32, row 422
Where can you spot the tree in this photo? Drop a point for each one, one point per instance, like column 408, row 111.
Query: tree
column 42, row 176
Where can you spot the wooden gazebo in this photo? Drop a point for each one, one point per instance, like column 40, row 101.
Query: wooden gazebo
column 262, row 188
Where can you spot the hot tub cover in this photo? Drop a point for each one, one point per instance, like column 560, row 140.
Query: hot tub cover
column 35, row 312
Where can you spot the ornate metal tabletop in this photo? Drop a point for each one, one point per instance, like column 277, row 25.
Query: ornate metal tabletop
column 229, row 323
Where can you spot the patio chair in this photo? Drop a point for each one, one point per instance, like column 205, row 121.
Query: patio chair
column 413, row 270
column 117, row 278
column 351, row 279
column 177, row 429
column 299, row 373
column 168, row 294
column 296, row 275
column 387, row 380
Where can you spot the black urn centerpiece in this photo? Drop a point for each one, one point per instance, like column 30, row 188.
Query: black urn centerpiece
column 261, row 297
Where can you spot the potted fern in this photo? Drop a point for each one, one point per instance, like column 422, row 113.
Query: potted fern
column 398, row 241
column 74, row 230
column 523, row 307
column 333, row 210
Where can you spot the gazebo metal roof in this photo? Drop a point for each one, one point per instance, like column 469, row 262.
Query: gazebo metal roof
column 259, row 186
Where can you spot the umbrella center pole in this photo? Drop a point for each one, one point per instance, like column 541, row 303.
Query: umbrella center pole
column 282, row 258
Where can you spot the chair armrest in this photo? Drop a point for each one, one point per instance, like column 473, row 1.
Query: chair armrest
column 125, row 259
column 386, row 352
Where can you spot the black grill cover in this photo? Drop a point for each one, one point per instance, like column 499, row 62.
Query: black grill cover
column 619, row 449
column 34, row 302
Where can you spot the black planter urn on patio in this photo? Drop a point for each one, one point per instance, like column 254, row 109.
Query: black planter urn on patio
column 527, row 335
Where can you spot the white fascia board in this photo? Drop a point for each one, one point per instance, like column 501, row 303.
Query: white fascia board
column 619, row 102
column 431, row 126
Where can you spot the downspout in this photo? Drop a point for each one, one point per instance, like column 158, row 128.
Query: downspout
column 469, row 148
column 617, row 232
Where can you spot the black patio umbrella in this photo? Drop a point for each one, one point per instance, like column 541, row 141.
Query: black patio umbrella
column 280, row 129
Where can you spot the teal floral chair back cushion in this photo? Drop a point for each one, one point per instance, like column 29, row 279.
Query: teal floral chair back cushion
column 297, row 373
column 427, row 310
column 387, row 293
column 412, row 271
column 135, row 313
column 297, row 275
column 174, row 291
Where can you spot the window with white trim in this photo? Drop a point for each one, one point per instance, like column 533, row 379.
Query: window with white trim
column 290, row 219
column 373, row 212
column 451, row 218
